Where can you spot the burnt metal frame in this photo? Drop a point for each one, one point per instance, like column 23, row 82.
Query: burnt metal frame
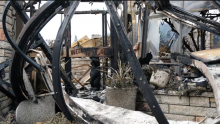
column 104, row 29
column 67, row 47
column 188, row 18
column 7, row 91
column 38, row 43
column 56, row 61
column 125, row 15
column 27, row 35
column 145, row 32
column 4, row 86
column 81, row 12
column 13, row 44
column 114, row 43
column 216, row 4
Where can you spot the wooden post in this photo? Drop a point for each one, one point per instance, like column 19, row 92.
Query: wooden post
column 145, row 32
column 68, row 45
column 133, row 34
column 114, row 44
column 19, row 24
column 125, row 14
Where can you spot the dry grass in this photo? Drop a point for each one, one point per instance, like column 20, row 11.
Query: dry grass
column 8, row 119
column 121, row 78
column 58, row 118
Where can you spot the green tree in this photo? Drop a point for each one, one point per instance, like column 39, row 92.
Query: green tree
column 75, row 38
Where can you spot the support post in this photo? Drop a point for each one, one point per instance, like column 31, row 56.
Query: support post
column 19, row 24
column 68, row 45
column 105, row 44
column 105, row 19
column 125, row 22
column 114, row 44
column 125, row 15
column 145, row 32
column 103, row 29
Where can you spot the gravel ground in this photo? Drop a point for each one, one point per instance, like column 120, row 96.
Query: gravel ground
column 9, row 118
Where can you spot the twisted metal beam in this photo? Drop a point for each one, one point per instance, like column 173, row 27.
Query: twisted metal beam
column 216, row 3
column 189, row 18
column 56, row 61
column 13, row 44
column 26, row 37
column 39, row 42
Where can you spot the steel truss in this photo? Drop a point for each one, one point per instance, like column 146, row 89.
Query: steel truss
column 189, row 18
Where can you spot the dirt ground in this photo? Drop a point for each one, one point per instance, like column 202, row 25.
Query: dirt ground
column 58, row 118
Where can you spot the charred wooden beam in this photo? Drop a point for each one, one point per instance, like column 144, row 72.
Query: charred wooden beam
column 192, row 20
column 67, row 58
column 90, row 52
column 125, row 15
column 81, row 12
column 216, row 3
column 145, row 33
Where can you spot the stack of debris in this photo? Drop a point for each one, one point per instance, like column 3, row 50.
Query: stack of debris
column 162, row 76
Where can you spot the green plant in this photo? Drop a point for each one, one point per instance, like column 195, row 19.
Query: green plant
column 121, row 78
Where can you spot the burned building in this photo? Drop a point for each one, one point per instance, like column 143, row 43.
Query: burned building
column 158, row 61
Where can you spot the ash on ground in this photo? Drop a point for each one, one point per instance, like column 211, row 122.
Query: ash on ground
column 87, row 92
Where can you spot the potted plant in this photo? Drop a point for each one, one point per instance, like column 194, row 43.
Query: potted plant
column 120, row 90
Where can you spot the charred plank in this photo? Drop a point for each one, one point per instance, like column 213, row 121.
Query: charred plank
column 90, row 52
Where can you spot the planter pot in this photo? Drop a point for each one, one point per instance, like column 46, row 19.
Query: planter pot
column 125, row 97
